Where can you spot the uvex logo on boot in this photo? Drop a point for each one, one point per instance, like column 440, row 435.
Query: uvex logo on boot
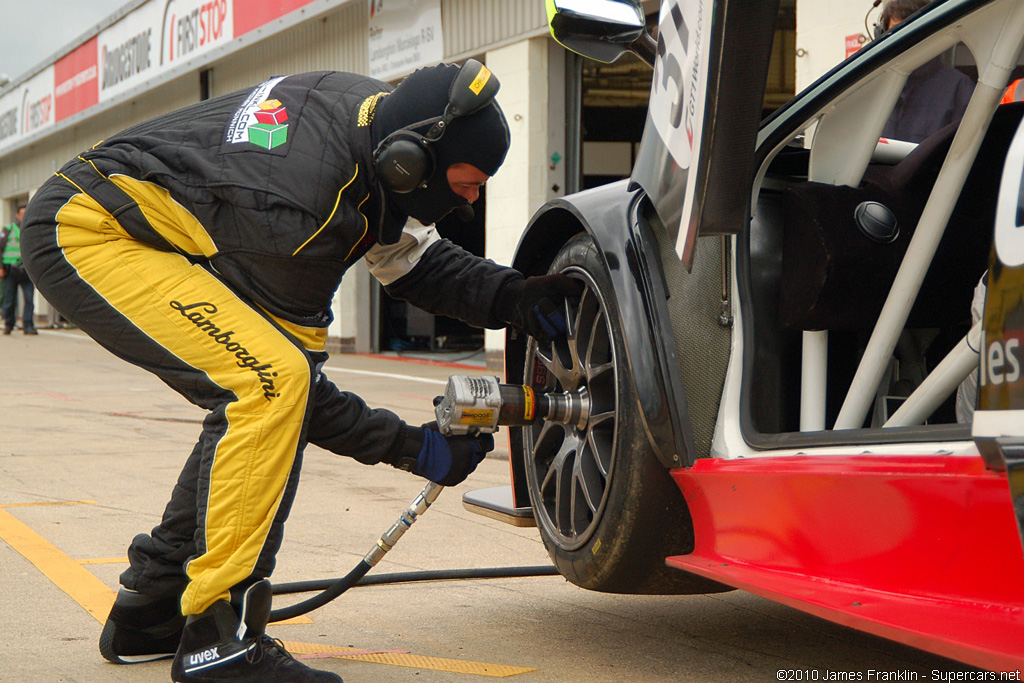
column 203, row 657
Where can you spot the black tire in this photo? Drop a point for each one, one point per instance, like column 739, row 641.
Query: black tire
column 607, row 509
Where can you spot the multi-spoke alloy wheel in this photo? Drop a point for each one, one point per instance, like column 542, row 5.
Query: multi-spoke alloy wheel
column 607, row 510
column 571, row 464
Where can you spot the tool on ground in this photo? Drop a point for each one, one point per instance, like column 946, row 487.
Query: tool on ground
column 470, row 405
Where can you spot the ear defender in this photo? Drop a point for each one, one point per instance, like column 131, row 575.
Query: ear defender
column 404, row 160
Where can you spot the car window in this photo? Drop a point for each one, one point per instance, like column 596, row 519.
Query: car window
column 837, row 209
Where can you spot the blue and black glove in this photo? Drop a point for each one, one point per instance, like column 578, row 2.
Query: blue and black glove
column 536, row 305
column 449, row 460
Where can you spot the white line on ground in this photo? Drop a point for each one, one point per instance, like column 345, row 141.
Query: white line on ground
column 392, row 375
column 331, row 368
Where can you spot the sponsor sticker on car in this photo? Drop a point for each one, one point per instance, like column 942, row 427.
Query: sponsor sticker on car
column 1001, row 372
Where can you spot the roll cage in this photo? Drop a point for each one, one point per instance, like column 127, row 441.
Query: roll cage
column 827, row 140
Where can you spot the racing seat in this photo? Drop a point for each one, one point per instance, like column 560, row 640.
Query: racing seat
column 836, row 277
column 812, row 268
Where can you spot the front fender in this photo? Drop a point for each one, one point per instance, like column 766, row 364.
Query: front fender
column 614, row 216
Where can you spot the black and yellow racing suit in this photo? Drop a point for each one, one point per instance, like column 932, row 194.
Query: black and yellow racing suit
column 205, row 246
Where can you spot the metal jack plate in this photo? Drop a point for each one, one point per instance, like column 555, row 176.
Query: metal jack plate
column 497, row 503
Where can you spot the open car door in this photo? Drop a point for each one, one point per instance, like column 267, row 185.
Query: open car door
column 696, row 161
column 710, row 60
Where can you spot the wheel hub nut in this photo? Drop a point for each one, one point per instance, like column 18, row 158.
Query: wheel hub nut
column 569, row 408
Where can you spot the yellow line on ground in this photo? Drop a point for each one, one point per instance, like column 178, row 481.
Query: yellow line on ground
column 67, row 574
column 55, row 502
column 458, row 666
column 295, row 620
column 96, row 598
column 103, row 560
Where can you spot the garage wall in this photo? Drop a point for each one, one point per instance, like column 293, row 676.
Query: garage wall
column 821, row 32
column 335, row 41
column 23, row 170
column 470, row 26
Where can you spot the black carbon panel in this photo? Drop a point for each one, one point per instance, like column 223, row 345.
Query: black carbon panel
column 702, row 343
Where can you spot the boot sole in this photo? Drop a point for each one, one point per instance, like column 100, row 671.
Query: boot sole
column 109, row 654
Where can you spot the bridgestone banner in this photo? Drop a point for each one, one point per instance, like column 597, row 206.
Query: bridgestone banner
column 155, row 39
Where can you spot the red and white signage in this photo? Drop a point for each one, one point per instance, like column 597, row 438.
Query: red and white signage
column 854, row 42
column 37, row 109
column 253, row 14
column 155, row 38
column 27, row 109
column 127, row 54
column 190, row 28
column 76, row 81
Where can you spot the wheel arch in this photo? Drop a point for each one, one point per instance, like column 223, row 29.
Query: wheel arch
column 614, row 217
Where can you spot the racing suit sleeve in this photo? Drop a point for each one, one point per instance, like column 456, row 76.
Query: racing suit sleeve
column 440, row 277
column 342, row 423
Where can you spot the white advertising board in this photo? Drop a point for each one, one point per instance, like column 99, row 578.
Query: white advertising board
column 404, row 35
column 28, row 109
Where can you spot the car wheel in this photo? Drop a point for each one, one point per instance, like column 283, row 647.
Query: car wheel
column 607, row 509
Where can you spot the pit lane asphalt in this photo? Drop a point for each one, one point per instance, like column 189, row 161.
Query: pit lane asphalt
column 91, row 446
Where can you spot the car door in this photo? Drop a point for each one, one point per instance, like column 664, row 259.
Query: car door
column 710, row 60
column 696, row 160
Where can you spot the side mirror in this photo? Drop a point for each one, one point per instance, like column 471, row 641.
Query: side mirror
column 601, row 29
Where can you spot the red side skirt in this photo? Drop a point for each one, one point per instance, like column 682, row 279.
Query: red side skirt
column 923, row 550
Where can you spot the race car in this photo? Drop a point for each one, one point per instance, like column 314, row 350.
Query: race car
column 775, row 324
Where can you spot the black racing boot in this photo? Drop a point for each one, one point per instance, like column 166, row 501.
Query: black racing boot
column 141, row 628
column 219, row 646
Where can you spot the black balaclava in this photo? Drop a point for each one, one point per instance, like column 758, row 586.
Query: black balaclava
column 480, row 139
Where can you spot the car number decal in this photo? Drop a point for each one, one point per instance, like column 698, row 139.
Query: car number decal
column 678, row 93
column 677, row 90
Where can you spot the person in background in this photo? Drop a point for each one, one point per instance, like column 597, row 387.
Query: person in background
column 1014, row 92
column 16, row 278
column 934, row 96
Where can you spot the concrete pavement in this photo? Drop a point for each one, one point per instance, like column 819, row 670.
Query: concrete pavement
column 90, row 448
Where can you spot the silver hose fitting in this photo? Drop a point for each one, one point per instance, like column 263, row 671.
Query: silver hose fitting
column 390, row 537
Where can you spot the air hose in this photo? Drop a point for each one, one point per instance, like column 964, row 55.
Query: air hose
column 332, row 588
column 470, row 405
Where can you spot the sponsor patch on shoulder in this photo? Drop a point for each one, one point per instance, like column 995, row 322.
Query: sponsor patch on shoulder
column 260, row 120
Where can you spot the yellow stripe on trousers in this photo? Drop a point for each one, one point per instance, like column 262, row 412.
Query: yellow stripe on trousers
column 174, row 302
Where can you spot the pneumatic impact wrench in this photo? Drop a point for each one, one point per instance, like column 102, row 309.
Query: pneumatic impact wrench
column 469, row 406
column 479, row 405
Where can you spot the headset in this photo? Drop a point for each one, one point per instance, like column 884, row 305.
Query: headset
column 405, row 160
column 875, row 30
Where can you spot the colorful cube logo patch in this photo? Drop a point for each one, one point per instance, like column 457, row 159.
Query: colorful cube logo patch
column 271, row 112
column 270, row 130
column 267, row 135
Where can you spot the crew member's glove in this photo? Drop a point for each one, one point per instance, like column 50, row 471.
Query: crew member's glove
column 536, row 305
column 449, row 460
